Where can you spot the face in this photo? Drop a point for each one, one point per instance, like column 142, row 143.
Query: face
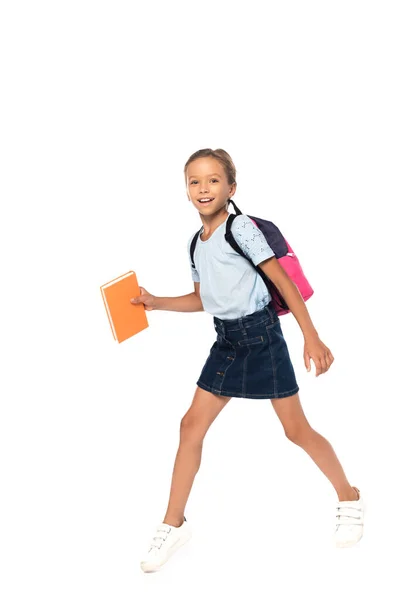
column 205, row 178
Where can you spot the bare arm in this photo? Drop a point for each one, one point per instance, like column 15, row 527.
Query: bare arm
column 187, row 303
column 290, row 292
column 314, row 348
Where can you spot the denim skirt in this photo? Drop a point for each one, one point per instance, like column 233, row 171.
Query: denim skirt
column 249, row 359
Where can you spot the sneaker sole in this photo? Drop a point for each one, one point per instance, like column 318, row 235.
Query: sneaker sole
column 148, row 567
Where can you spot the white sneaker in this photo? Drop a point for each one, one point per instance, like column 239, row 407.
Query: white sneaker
column 165, row 542
column 349, row 522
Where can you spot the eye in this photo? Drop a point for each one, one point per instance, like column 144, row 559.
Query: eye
column 195, row 181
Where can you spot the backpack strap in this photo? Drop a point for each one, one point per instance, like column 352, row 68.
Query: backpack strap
column 238, row 211
column 229, row 235
column 193, row 246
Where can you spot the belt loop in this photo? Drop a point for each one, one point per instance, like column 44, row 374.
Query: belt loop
column 219, row 326
column 242, row 327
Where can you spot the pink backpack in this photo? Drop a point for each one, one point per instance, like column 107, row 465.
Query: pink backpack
column 283, row 252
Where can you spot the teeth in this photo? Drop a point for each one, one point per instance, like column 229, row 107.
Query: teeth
column 205, row 199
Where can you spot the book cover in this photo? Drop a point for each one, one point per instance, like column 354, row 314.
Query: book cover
column 126, row 319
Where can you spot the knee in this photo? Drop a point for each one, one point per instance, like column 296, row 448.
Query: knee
column 299, row 435
column 190, row 430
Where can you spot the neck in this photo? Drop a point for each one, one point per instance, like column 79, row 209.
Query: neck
column 210, row 223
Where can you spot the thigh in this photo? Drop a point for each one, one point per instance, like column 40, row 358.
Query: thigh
column 204, row 410
column 290, row 414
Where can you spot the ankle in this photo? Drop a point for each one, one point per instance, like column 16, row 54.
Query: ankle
column 349, row 495
column 174, row 522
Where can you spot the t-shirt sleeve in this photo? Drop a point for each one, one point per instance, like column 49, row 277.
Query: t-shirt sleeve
column 195, row 274
column 251, row 240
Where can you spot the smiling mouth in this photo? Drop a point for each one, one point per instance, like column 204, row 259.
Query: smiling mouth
column 206, row 201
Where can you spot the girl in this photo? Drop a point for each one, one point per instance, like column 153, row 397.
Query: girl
column 249, row 358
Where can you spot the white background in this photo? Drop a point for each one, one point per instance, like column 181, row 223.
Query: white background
column 101, row 105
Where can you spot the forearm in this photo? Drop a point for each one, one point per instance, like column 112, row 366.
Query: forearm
column 296, row 304
column 188, row 303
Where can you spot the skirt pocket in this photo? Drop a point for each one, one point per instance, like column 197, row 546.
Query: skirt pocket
column 259, row 339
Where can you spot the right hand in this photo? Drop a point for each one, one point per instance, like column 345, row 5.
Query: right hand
column 145, row 298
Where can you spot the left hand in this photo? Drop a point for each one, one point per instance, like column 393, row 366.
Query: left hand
column 321, row 355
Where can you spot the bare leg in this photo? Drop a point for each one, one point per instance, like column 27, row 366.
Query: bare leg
column 299, row 431
column 194, row 425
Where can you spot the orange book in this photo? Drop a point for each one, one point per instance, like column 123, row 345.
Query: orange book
column 126, row 319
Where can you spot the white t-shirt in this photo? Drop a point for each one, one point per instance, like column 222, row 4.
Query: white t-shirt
column 230, row 287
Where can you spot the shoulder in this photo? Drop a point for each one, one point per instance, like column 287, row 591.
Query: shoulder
column 251, row 239
column 243, row 224
column 241, row 219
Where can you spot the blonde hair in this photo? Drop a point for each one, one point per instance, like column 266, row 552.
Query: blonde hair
column 223, row 158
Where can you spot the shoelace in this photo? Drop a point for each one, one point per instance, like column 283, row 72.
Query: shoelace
column 160, row 530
